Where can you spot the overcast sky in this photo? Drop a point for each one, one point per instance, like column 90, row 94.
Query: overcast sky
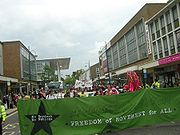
column 66, row 28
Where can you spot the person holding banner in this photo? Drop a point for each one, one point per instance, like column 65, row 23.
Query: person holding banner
column 2, row 115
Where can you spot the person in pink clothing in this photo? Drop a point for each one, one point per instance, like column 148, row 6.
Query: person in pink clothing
column 133, row 81
column 136, row 82
column 130, row 81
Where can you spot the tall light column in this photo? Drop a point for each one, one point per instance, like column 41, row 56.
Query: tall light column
column 59, row 72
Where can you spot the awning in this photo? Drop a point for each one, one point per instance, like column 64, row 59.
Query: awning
column 8, row 79
column 122, row 71
column 149, row 65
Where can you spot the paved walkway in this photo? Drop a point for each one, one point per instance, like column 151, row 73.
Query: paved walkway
column 10, row 111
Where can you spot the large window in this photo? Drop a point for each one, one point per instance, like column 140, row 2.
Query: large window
column 178, row 40
column 109, row 58
column 25, row 63
column 155, row 50
column 122, row 52
column 152, row 31
column 175, row 17
column 157, row 28
column 141, row 40
column 33, row 67
column 166, row 52
column 115, row 56
column 171, row 43
column 131, row 46
column 28, row 65
column 160, row 49
column 163, row 30
column 168, row 20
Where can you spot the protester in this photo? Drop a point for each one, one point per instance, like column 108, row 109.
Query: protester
column 67, row 94
column 50, row 95
column 82, row 94
column 5, row 102
column 156, row 84
column 114, row 91
column 42, row 94
column 15, row 99
column 2, row 115
column 26, row 97
column 71, row 93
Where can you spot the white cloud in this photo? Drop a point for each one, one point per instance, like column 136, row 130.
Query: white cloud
column 75, row 28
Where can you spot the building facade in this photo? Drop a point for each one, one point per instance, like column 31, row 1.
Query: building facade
column 1, row 60
column 130, row 48
column 58, row 64
column 164, row 30
column 19, row 63
column 95, row 72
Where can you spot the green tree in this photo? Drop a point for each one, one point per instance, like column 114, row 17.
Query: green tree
column 71, row 79
column 48, row 74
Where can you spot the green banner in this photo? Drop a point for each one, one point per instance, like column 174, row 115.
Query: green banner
column 101, row 114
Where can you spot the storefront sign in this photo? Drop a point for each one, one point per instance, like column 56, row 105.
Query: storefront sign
column 169, row 59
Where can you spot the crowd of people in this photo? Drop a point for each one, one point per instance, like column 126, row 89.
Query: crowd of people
column 75, row 92
column 133, row 84
column 98, row 90
column 10, row 100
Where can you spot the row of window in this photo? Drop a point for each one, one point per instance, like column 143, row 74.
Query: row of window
column 165, row 33
column 132, row 46
column 166, row 45
column 165, row 24
column 26, row 66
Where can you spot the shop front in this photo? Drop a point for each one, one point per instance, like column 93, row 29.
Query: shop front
column 168, row 71
column 6, row 85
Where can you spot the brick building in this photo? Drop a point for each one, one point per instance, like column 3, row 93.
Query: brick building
column 19, row 63
column 4, row 80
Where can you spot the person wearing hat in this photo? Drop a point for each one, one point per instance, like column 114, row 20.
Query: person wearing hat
column 2, row 115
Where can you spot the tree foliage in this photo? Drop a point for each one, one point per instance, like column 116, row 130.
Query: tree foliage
column 71, row 79
column 48, row 74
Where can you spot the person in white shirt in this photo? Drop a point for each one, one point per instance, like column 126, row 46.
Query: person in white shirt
column 50, row 95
